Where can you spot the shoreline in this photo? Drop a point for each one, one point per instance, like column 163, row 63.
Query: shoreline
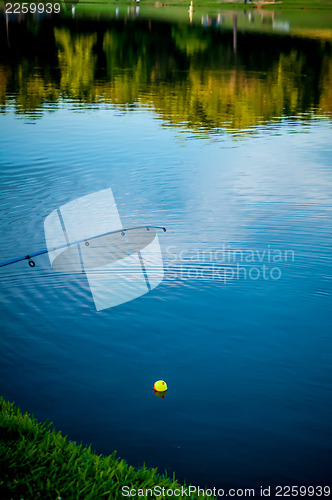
column 39, row 462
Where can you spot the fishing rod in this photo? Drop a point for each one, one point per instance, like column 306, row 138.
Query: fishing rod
column 65, row 245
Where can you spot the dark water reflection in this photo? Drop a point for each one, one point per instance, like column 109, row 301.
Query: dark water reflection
column 189, row 75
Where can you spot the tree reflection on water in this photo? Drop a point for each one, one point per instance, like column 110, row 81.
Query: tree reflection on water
column 190, row 75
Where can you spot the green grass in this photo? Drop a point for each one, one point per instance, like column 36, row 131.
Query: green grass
column 222, row 4
column 37, row 462
column 299, row 14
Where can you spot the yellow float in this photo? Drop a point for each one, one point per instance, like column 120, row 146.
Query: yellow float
column 160, row 386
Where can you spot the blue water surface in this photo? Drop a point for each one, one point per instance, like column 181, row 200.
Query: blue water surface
column 247, row 359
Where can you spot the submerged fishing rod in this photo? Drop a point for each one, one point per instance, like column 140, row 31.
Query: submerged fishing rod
column 65, row 245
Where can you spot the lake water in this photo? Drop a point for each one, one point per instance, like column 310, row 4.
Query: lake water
column 220, row 132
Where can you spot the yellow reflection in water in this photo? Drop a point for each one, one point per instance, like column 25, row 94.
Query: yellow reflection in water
column 177, row 81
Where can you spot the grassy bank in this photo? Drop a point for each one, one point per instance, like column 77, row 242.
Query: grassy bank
column 37, row 462
column 220, row 4
column 313, row 17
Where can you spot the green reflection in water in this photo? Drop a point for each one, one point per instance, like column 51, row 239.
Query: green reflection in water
column 191, row 76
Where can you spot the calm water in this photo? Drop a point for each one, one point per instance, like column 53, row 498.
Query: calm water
column 225, row 139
